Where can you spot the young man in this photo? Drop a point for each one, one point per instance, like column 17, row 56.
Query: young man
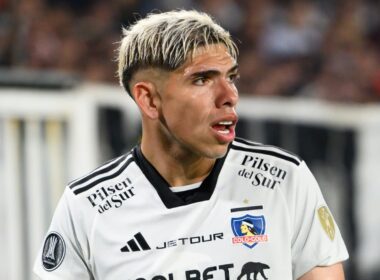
column 174, row 207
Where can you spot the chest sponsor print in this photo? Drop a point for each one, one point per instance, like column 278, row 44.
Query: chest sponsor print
column 223, row 271
column 262, row 173
column 249, row 230
column 113, row 196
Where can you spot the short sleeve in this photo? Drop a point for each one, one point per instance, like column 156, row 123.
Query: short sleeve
column 61, row 255
column 316, row 239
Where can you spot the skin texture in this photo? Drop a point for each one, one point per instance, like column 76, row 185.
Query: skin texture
column 179, row 111
column 333, row 272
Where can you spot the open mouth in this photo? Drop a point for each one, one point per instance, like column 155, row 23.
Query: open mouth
column 223, row 127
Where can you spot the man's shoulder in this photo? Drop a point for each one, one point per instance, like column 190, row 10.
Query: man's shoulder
column 247, row 147
column 105, row 173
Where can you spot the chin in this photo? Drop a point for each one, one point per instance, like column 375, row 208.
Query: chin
column 217, row 152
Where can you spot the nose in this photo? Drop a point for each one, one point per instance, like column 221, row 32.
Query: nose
column 227, row 94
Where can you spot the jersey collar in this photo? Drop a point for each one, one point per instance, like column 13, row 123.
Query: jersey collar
column 172, row 199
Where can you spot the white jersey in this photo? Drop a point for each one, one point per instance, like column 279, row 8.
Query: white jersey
column 258, row 215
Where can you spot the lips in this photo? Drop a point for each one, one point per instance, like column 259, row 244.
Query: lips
column 225, row 128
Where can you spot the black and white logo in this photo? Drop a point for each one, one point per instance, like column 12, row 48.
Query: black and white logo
column 253, row 268
column 53, row 252
column 132, row 244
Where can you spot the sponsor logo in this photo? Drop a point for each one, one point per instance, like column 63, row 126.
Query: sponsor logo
column 253, row 268
column 249, row 230
column 53, row 251
column 212, row 272
column 106, row 198
column 326, row 221
column 191, row 240
column 138, row 243
column 266, row 174
column 223, row 271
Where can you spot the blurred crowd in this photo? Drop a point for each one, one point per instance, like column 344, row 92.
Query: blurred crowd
column 328, row 49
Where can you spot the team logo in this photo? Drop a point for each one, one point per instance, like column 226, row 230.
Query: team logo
column 53, row 252
column 326, row 221
column 249, row 230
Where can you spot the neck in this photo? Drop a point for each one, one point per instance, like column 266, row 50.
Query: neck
column 177, row 165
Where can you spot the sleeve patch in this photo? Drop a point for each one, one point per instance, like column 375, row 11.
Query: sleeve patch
column 326, row 221
column 53, row 251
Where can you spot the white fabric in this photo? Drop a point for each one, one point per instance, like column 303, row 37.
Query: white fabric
column 186, row 188
column 196, row 241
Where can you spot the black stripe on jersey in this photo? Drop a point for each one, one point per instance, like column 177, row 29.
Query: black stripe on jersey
column 243, row 141
column 266, row 152
column 249, row 143
column 99, row 171
column 258, row 207
column 102, row 179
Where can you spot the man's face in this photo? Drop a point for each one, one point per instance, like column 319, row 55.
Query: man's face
column 198, row 100
column 244, row 229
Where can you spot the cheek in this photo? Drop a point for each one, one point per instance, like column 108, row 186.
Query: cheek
column 187, row 117
column 187, row 110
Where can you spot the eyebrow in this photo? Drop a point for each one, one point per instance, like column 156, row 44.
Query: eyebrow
column 212, row 72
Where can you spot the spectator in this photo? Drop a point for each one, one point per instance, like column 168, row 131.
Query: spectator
column 324, row 49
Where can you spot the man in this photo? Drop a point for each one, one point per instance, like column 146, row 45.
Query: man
column 247, row 228
column 172, row 208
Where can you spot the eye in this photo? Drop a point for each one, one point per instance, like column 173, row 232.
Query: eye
column 233, row 78
column 200, row 81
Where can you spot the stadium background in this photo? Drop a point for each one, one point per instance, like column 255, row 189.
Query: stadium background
column 310, row 82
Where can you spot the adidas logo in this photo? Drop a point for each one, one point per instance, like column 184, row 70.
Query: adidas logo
column 133, row 244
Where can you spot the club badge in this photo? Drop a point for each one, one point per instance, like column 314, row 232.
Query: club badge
column 249, row 230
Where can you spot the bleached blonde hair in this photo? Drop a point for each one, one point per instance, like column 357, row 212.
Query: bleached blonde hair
column 166, row 40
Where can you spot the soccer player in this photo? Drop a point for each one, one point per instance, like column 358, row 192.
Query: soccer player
column 174, row 206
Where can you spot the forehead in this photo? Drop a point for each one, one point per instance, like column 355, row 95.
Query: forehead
column 208, row 57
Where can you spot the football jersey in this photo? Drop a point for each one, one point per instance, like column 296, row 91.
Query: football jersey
column 259, row 214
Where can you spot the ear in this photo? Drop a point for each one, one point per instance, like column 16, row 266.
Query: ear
column 147, row 98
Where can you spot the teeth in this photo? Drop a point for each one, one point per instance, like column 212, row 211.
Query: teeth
column 226, row 131
column 225, row 123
